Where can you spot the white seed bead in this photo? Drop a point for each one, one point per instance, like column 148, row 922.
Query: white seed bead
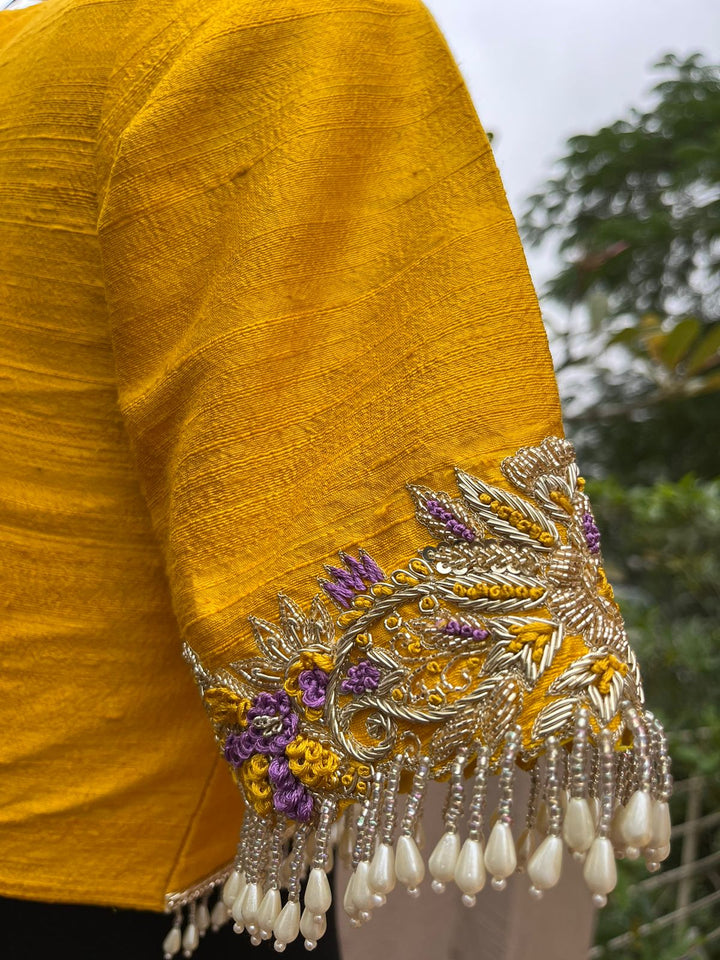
column 500, row 856
column 382, row 869
column 578, row 825
column 287, row 925
column 444, row 857
column 599, row 870
column 636, row 825
column 470, row 868
column 409, row 864
column 318, row 895
column 545, row 864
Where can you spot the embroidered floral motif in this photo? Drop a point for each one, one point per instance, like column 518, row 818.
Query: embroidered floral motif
column 505, row 621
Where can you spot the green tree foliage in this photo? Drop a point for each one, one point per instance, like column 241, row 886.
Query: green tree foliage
column 634, row 213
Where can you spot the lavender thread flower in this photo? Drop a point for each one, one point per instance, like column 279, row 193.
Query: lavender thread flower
column 592, row 534
column 271, row 725
column 456, row 629
column 289, row 795
column 455, row 526
column 362, row 677
column 361, row 573
column 312, row 684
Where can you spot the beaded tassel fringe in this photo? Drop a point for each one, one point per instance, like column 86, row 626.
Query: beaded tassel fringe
column 597, row 800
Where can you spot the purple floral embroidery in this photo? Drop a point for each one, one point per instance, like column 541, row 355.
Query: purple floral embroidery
column 455, row 526
column 361, row 678
column 313, row 683
column 271, row 725
column 456, row 629
column 360, row 575
column 592, row 534
column 289, row 795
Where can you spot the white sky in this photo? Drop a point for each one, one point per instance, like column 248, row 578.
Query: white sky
column 542, row 70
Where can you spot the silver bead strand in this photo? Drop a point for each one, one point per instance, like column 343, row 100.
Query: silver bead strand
column 500, row 853
column 545, row 863
column 479, row 794
column 599, row 870
column 579, row 824
column 409, row 864
column 443, row 860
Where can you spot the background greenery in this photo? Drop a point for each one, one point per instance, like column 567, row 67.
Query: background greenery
column 633, row 314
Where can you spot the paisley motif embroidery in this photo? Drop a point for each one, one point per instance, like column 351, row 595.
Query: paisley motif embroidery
column 498, row 645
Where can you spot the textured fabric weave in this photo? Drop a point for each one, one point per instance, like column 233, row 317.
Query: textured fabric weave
column 258, row 271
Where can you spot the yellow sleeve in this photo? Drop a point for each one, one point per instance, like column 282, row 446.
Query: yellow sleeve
column 318, row 297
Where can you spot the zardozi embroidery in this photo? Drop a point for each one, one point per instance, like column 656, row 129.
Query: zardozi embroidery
column 497, row 648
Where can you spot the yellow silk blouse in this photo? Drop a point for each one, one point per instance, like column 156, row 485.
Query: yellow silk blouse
column 258, row 274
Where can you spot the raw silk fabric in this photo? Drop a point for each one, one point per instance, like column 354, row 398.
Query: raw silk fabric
column 258, row 271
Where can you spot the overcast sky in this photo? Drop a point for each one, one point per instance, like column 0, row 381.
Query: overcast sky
column 542, row 70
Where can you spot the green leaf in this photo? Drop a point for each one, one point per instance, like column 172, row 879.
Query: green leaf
column 677, row 343
column 706, row 352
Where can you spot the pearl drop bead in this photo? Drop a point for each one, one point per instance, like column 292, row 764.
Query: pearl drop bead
column 662, row 853
column 599, row 870
column 231, row 888
column 310, row 944
column 362, row 894
column 255, row 941
column 237, row 928
column 660, row 824
column 468, row 900
column 310, row 927
column 437, row 886
column 578, row 825
column 470, row 867
column 545, row 864
column 413, row 892
column 599, row 899
column 318, row 895
column 444, row 857
column 498, row 883
column 500, row 856
column 535, row 893
column 632, row 853
column 219, row 915
column 172, row 942
column 382, row 869
column 527, row 842
column 250, row 906
column 409, row 864
column 190, row 940
column 349, row 898
column 279, row 946
column 202, row 918
column 268, row 911
column 287, row 925
column 378, row 900
column 635, row 825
